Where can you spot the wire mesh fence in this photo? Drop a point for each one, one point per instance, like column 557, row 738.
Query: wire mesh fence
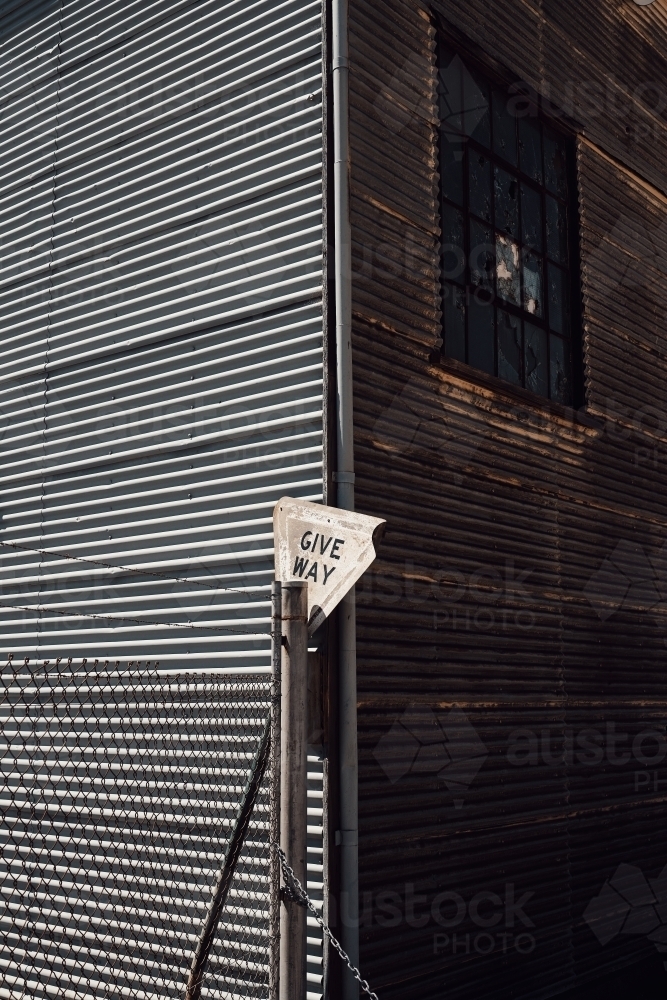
column 120, row 787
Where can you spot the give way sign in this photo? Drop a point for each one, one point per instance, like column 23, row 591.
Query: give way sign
column 327, row 548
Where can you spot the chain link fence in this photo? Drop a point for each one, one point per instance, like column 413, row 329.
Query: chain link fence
column 120, row 789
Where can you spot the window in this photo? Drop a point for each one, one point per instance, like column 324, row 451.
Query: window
column 506, row 254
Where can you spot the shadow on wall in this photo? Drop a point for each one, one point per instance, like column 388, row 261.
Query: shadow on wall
column 17, row 15
column 645, row 981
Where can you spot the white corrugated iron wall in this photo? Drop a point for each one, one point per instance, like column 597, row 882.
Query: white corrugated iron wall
column 160, row 359
column 161, row 330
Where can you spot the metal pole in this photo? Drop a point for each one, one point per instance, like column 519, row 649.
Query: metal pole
column 274, row 824
column 293, row 783
column 348, row 839
column 349, row 809
column 342, row 258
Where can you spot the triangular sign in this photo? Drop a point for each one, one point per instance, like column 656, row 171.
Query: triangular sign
column 327, row 548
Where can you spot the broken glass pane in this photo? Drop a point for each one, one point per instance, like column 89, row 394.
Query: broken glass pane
column 506, row 189
column 561, row 378
column 555, row 164
column 509, row 347
column 537, row 369
column 480, row 185
column 558, row 301
column 504, row 128
column 530, row 148
column 507, row 270
column 481, row 349
column 556, row 230
column 482, row 256
column 531, row 217
column 455, row 322
column 533, row 292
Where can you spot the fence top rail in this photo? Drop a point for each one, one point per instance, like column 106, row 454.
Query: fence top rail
column 89, row 668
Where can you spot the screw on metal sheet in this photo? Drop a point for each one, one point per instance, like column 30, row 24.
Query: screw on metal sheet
column 293, row 892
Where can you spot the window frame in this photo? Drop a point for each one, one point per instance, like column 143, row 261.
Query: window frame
column 557, row 123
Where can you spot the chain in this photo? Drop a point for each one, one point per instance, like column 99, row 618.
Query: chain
column 294, row 892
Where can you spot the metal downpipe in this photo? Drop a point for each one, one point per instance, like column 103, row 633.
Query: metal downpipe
column 344, row 477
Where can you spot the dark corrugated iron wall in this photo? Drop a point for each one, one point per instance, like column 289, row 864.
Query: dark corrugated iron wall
column 518, row 602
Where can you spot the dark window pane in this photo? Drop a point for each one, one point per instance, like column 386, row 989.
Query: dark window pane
column 446, row 52
column 507, row 270
column 537, row 368
column 452, row 225
column 531, row 217
column 561, row 378
column 559, row 306
column 453, row 252
column 509, row 347
column 480, row 185
column 450, row 92
column 455, row 322
column 556, row 230
column 482, row 256
column 506, row 189
column 533, row 284
column 477, row 119
column 555, row 164
column 451, row 171
column 504, row 128
column 481, row 349
column 530, row 148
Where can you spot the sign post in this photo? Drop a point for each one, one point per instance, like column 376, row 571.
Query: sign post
column 320, row 553
column 276, row 730
column 293, row 784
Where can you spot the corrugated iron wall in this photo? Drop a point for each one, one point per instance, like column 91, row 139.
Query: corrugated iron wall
column 161, row 347
column 161, row 287
column 512, row 684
